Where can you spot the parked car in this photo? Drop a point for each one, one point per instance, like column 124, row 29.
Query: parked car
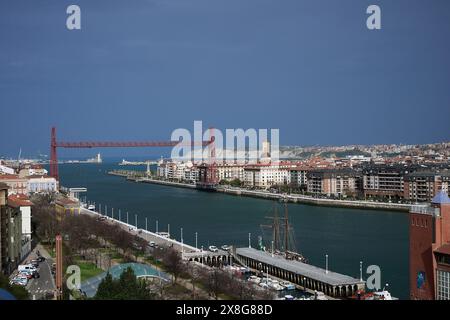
column 213, row 248
column 26, row 274
column 26, row 267
column 34, row 263
column 18, row 280
column 225, row 247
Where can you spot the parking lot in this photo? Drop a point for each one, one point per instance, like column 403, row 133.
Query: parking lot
column 42, row 286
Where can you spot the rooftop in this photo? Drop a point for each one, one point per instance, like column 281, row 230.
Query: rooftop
column 298, row 267
column 19, row 201
column 444, row 249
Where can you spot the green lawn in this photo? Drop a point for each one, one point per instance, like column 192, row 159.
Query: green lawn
column 88, row 270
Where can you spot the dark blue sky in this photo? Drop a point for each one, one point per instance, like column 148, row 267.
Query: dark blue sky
column 139, row 69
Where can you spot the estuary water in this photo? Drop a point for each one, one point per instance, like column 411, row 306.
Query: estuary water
column 348, row 236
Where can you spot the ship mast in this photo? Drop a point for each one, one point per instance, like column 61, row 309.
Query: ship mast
column 286, row 233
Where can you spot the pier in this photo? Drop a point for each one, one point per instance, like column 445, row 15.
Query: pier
column 303, row 275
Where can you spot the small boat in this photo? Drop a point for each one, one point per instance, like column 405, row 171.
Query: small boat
column 263, row 285
column 275, row 284
column 254, row 279
column 288, row 285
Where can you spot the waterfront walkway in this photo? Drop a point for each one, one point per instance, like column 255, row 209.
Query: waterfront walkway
column 295, row 198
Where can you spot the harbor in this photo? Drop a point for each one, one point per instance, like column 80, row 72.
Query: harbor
column 214, row 216
column 284, row 274
column 294, row 198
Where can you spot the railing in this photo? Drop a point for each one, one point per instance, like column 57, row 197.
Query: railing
column 424, row 209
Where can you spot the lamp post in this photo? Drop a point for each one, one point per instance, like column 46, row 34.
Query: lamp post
column 272, row 248
column 360, row 271
column 135, row 220
column 249, row 240
column 112, row 213
column 146, row 229
column 326, row 263
column 196, row 238
column 156, row 226
column 182, row 246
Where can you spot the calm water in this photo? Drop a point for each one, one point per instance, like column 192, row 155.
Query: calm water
column 346, row 235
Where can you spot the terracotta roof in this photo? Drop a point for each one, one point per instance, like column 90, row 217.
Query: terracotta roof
column 9, row 176
column 19, row 201
column 444, row 249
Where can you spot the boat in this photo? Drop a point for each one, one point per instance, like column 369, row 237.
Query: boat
column 254, row 279
column 288, row 285
column 275, row 284
column 281, row 242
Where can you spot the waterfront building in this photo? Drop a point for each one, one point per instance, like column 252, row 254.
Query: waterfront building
column 42, row 184
column 429, row 249
column 298, row 176
column 266, row 175
column 15, row 184
column 332, row 182
column 23, row 203
column 230, row 172
column 423, row 186
column 384, row 181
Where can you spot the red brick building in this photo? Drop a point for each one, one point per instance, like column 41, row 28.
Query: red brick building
column 429, row 249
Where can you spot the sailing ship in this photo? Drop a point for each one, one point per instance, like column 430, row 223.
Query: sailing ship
column 280, row 235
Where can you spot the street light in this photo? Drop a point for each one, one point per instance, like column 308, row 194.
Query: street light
column 360, row 271
column 249, row 240
column 326, row 263
column 196, row 238
column 156, row 226
column 135, row 220
column 146, row 229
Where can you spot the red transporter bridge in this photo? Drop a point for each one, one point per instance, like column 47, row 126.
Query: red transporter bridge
column 208, row 176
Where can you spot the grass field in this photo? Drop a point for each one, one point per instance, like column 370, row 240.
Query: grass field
column 88, row 270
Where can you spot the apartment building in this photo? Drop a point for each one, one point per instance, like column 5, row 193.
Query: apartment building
column 42, row 184
column 23, row 203
column 332, row 182
column 230, row 172
column 423, row 186
column 384, row 181
column 266, row 175
column 298, row 176
column 15, row 184
column 10, row 233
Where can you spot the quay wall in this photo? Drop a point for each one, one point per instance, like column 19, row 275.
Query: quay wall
column 356, row 204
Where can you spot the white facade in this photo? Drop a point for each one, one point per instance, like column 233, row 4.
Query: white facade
column 42, row 184
column 6, row 170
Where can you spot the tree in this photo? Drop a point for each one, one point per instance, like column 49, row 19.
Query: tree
column 106, row 289
column 173, row 263
column 127, row 287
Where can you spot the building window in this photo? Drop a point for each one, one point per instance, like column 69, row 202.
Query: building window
column 443, row 285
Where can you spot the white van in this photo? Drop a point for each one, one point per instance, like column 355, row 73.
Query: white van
column 27, row 268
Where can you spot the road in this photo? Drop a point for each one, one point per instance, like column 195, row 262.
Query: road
column 44, row 286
